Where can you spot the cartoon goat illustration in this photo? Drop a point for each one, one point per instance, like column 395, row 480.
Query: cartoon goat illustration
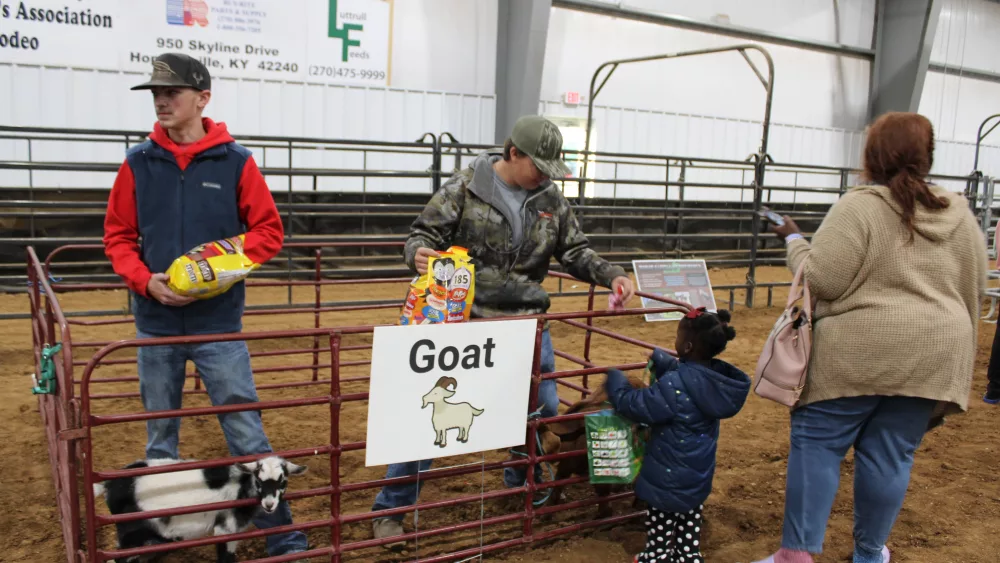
column 447, row 415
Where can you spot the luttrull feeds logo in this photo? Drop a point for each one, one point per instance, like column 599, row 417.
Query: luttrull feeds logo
column 343, row 32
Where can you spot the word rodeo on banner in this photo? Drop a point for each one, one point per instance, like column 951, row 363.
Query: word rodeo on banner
column 440, row 390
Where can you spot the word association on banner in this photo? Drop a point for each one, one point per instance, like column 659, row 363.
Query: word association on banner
column 25, row 12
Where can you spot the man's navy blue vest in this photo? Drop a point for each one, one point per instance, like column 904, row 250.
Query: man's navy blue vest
column 178, row 210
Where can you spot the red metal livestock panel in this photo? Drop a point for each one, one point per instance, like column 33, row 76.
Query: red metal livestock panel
column 72, row 420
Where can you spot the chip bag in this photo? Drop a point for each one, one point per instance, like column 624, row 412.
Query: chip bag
column 445, row 293
column 614, row 449
column 210, row 269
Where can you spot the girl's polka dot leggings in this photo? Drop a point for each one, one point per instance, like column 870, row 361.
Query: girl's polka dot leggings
column 672, row 537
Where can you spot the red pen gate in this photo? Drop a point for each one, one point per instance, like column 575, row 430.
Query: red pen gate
column 70, row 421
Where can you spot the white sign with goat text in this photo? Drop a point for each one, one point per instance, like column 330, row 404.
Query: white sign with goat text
column 448, row 389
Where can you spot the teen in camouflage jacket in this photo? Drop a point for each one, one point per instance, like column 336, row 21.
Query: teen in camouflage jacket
column 509, row 269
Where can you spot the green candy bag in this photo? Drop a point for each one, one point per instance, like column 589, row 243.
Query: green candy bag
column 616, row 445
column 614, row 449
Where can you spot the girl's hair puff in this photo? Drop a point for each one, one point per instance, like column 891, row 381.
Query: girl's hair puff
column 709, row 332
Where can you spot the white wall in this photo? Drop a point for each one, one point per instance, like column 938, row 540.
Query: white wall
column 711, row 106
column 625, row 130
column 445, row 45
column 811, row 89
column 967, row 37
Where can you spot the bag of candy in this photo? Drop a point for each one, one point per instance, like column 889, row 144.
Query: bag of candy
column 445, row 293
column 210, row 269
column 615, row 448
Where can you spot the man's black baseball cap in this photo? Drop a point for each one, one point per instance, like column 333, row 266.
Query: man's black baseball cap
column 177, row 69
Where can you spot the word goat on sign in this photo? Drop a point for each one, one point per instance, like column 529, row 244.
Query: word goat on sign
column 449, row 416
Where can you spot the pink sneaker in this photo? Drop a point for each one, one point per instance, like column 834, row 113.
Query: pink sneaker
column 771, row 559
column 788, row 556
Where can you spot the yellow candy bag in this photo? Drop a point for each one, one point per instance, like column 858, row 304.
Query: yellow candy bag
column 210, row 269
column 445, row 293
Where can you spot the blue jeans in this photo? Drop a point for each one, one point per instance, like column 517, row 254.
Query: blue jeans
column 224, row 368
column 395, row 496
column 885, row 432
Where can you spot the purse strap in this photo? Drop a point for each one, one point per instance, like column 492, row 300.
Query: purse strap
column 800, row 290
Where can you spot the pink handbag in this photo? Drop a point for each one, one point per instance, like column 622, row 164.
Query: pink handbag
column 784, row 362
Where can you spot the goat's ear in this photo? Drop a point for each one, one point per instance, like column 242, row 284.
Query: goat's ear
column 247, row 467
column 295, row 469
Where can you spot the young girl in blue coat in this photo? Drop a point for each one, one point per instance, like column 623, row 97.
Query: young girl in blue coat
column 683, row 407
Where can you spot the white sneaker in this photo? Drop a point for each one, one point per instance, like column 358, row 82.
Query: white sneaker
column 885, row 554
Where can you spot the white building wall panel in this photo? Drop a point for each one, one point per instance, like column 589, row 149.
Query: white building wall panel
column 81, row 99
column 967, row 37
column 811, row 89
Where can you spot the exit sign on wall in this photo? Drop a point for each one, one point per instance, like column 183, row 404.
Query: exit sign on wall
column 571, row 98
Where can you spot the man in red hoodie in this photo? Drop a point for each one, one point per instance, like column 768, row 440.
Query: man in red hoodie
column 188, row 184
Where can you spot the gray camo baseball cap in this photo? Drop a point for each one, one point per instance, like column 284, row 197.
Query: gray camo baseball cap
column 541, row 140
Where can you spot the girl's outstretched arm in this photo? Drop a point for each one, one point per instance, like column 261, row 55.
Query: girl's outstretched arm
column 652, row 405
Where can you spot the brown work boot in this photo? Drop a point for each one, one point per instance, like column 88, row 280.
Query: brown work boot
column 388, row 528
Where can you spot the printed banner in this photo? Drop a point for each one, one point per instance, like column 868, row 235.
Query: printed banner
column 327, row 41
column 680, row 280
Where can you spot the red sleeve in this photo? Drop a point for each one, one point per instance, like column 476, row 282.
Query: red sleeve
column 265, row 233
column 121, row 233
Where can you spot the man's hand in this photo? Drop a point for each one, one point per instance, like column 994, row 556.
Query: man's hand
column 157, row 289
column 423, row 253
column 787, row 229
column 622, row 287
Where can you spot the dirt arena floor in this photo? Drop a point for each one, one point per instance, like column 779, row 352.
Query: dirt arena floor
column 952, row 512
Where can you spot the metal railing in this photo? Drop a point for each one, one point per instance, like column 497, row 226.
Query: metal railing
column 632, row 206
column 71, row 439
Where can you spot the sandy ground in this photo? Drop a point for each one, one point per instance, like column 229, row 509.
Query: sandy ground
column 951, row 514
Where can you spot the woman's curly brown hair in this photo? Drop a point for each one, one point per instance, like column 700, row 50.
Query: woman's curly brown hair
column 899, row 153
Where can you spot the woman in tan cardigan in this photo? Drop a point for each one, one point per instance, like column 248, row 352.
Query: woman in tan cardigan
column 897, row 268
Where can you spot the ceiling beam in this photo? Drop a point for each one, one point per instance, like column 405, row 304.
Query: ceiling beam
column 681, row 22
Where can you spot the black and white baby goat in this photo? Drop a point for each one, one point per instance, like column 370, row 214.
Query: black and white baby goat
column 265, row 480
